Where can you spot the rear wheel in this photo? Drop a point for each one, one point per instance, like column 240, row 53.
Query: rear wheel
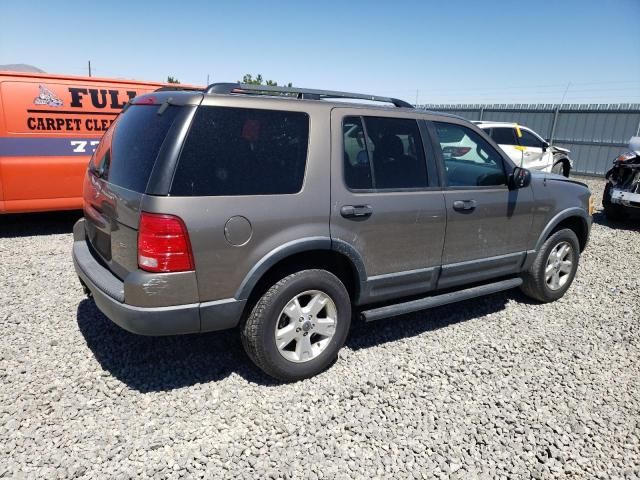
column 298, row 326
column 611, row 210
column 554, row 268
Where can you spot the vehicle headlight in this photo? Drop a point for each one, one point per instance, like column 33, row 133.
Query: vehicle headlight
column 592, row 205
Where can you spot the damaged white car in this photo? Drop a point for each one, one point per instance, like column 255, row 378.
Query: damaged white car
column 528, row 149
column 622, row 191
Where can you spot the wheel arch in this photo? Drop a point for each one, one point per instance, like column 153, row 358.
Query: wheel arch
column 576, row 219
column 337, row 257
column 566, row 164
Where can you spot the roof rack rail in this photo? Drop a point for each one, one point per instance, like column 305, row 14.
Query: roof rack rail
column 300, row 93
column 177, row 88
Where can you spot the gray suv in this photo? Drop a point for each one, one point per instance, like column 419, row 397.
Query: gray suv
column 282, row 211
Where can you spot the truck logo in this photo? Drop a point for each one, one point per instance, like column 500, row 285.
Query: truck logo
column 47, row 97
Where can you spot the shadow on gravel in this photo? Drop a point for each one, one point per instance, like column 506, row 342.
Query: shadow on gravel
column 631, row 224
column 365, row 335
column 151, row 364
column 32, row 224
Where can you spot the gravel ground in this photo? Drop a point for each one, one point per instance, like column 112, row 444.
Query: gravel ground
column 498, row 387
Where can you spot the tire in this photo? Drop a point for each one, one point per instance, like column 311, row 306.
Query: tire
column 536, row 282
column 561, row 167
column 611, row 210
column 309, row 352
column 558, row 168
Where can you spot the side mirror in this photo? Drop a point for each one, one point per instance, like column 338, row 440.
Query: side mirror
column 519, row 178
column 545, row 145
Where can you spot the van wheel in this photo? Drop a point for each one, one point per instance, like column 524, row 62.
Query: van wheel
column 298, row 326
column 554, row 268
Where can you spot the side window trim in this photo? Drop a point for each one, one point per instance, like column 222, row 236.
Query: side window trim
column 506, row 164
column 439, row 159
column 434, row 179
column 368, row 150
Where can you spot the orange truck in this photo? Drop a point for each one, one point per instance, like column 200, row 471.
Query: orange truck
column 49, row 127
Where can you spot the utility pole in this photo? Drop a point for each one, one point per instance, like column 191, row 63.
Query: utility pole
column 207, row 79
column 89, row 67
column 417, row 92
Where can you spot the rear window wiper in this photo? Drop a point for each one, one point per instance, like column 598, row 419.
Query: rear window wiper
column 164, row 106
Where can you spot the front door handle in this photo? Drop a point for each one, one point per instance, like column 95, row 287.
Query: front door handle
column 356, row 211
column 464, row 205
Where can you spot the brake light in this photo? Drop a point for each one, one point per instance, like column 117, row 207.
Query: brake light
column 146, row 101
column 163, row 244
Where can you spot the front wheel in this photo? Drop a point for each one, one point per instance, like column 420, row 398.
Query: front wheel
column 554, row 268
column 558, row 168
column 297, row 327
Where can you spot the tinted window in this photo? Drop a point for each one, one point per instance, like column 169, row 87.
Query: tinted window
column 528, row 139
column 389, row 156
column 235, row 151
column 504, row 136
column 469, row 160
column 136, row 138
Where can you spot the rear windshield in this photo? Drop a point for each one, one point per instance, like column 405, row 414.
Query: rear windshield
column 241, row 151
column 135, row 141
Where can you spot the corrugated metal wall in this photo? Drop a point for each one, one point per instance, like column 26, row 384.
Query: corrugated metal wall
column 595, row 134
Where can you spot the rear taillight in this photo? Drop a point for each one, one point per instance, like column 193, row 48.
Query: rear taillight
column 163, row 244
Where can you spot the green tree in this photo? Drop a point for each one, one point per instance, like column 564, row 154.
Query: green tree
column 171, row 79
column 258, row 80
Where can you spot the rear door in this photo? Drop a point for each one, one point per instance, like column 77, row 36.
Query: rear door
column 487, row 224
column 117, row 179
column 385, row 201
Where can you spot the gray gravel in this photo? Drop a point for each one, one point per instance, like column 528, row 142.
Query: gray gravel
column 493, row 388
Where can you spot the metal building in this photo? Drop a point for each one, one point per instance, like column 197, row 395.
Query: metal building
column 594, row 133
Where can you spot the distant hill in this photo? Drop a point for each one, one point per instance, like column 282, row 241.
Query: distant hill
column 20, row 67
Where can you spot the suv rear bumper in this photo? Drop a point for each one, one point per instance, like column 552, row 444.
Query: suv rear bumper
column 108, row 293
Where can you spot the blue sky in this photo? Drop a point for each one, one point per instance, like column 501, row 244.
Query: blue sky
column 449, row 51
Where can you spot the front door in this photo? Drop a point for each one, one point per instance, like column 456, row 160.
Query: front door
column 487, row 224
column 386, row 204
column 536, row 155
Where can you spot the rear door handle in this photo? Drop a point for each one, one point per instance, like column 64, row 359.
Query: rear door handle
column 356, row 211
column 464, row 205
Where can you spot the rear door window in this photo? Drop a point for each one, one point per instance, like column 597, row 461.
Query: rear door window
column 504, row 136
column 238, row 151
column 136, row 138
column 383, row 153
